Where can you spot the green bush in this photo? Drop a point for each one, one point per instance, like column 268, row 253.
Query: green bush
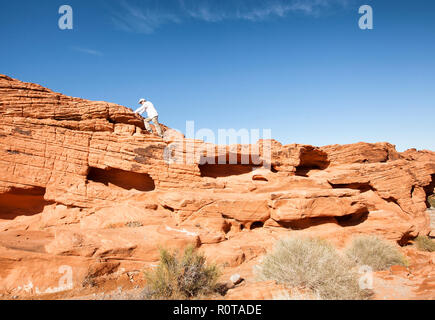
column 374, row 252
column 312, row 264
column 182, row 277
column 424, row 243
column 431, row 200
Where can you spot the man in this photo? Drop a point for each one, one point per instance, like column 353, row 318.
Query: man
column 152, row 116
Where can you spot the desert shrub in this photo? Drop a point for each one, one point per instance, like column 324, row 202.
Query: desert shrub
column 181, row 276
column 431, row 200
column 374, row 252
column 424, row 243
column 313, row 264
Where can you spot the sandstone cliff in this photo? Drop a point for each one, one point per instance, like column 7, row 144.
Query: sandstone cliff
column 83, row 185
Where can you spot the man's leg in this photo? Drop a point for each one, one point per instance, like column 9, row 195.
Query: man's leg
column 147, row 125
column 157, row 125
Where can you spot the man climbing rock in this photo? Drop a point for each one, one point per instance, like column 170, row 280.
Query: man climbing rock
column 152, row 115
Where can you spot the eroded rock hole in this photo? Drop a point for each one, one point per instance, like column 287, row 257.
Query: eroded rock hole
column 259, row 178
column 392, row 200
column 363, row 187
column 311, row 159
column 405, row 239
column 122, row 179
column 430, row 193
column 352, row 219
column 22, row 202
column 306, row 223
column 256, row 225
column 228, row 165
column 168, row 208
column 303, row 171
column 224, row 170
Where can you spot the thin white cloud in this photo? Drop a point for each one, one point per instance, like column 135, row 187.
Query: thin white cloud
column 88, row 51
column 251, row 10
column 141, row 18
column 147, row 16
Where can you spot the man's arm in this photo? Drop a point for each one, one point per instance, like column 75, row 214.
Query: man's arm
column 140, row 110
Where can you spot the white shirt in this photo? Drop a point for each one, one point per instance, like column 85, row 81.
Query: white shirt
column 149, row 108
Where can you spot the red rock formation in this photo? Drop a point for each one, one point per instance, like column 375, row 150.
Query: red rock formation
column 83, row 185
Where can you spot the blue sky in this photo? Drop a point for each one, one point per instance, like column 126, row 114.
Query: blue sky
column 301, row 68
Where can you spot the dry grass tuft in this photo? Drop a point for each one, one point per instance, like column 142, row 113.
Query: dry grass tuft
column 181, row 277
column 374, row 252
column 313, row 264
column 424, row 243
